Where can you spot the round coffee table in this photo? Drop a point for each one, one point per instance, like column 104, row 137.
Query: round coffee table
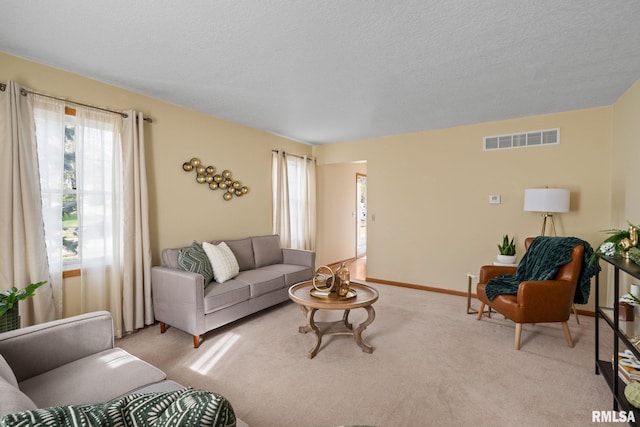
column 365, row 297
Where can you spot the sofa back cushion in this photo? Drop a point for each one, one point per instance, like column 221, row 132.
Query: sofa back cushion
column 243, row 250
column 170, row 257
column 267, row 250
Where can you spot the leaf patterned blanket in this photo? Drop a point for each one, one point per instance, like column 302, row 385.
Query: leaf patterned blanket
column 185, row 407
column 542, row 261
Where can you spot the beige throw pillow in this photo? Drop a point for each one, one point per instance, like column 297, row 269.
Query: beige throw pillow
column 224, row 263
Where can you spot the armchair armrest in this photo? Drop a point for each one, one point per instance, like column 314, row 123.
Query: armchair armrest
column 40, row 348
column 178, row 298
column 488, row 272
column 299, row 257
column 546, row 300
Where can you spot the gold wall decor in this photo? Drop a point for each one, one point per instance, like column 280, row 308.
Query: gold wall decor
column 221, row 181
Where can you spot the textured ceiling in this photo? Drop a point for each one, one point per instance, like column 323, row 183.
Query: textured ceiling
column 340, row 70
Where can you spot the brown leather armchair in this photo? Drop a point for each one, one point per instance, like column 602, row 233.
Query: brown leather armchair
column 536, row 301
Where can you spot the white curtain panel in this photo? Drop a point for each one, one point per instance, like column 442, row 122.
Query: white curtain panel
column 280, row 192
column 310, row 210
column 23, row 254
column 100, row 211
column 136, row 282
column 294, row 200
column 49, row 120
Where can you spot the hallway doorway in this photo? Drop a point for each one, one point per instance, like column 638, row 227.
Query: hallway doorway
column 361, row 215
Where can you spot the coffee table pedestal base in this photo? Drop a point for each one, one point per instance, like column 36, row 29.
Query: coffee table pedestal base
column 339, row 327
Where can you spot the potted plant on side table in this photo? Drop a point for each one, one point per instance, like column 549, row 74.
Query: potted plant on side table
column 9, row 309
column 507, row 251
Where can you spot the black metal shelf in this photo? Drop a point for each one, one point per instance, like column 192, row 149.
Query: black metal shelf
column 608, row 369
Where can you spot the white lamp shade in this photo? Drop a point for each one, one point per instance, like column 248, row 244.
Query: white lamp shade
column 549, row 200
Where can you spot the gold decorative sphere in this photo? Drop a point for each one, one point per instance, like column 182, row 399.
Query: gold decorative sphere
column 238, row 193
column 226, row 174
column 208, row 178
column 227, row 196
column 228, row 182
column 236, row 184
column 222, row 185
column 211, row 170
column 217, row 178
column 200, row 179
column 200, row 169
column 230, row 189
column 195, row 162
column 187, row 166
column 244, row 189
column 213, row 186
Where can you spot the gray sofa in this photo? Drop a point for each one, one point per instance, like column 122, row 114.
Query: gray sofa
column 71, row 361
column 181, row 299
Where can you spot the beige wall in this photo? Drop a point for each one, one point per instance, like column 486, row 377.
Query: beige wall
column 336, row 200
column 429, row 193
column 181, row 210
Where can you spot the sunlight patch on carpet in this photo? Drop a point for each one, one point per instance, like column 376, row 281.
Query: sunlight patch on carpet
column 208, row 359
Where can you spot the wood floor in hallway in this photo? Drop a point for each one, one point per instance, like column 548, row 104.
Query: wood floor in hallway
column 357, row 267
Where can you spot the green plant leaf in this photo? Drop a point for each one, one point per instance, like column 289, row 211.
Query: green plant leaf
column 10, row 297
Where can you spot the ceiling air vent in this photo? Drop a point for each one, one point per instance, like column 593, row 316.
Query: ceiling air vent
column 526, row 139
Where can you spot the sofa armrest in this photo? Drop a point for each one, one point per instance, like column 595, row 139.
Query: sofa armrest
column 40, row 348
column 178, row 298
column 299, row 257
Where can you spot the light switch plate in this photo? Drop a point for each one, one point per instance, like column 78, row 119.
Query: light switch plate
column 494, row 199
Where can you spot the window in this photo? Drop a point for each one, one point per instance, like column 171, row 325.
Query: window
column 293, row 180
column 79, row 164
column 70, row 232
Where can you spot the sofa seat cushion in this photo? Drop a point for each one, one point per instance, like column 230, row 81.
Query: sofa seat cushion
column 12, row 399
column 97, row 378
column 262, row 281
column 222, row 295
column 292, row 273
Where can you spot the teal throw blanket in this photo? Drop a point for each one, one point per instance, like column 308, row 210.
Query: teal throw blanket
column 542, row 261
column 185, row 407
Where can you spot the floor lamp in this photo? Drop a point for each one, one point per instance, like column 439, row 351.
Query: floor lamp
column 548, row 201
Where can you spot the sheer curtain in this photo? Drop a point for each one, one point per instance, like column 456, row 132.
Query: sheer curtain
column 100, row 205
column 294, row 200
column 49, row 121
column 23, row 256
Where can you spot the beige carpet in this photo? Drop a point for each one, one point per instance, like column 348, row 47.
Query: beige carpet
column 433, row 365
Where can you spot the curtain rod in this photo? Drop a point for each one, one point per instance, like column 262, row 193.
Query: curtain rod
column 294, row 155
column 24, row 92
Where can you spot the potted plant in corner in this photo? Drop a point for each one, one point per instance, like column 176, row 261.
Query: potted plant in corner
column 507, row 250
column 9, row 309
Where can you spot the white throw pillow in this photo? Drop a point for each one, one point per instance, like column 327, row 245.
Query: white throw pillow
column 224, row 262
